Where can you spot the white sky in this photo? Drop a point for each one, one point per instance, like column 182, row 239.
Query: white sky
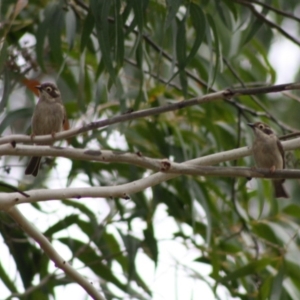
column 284, row 55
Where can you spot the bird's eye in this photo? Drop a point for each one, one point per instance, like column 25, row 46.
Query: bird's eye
column 49, row 89
column 261, row 126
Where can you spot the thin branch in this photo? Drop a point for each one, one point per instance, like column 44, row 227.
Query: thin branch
column 267, row 21
column 292, row 96
column 256, row 100
column 232, row 102
column 233, row 172
column 32, row 288
column 276, row 10
column 225, row 94
column 51, row 252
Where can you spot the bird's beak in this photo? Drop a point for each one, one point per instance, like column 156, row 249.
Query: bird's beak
column 38, row 87
column 250, row 125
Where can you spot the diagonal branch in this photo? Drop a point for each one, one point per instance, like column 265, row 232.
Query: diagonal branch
column 267, row 21
column 276, row 10
column 51, row 252
column 225, row 94
column 9, row 200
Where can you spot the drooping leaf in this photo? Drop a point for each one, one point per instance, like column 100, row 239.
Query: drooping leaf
column 100, row 10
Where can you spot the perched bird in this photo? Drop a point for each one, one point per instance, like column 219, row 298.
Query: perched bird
column 268, row 153
column 48, row 117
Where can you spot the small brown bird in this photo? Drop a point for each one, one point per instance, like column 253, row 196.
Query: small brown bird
column 268, row 153
column 48, row 117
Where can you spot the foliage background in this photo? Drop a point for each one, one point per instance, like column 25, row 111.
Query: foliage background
column 111, row 57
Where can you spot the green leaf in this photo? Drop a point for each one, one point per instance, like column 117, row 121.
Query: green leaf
column 3, row 56
column 82, row 208
column 217, row 51
column 61, row 225
column 277, row 285
column 292, row 210
column 119, row 39
column 248, row 269
column 41, row 34
column 172, row 6
column 254, row 28
column 181, row 43
column 91, row 259
column 232, row 7
column 7, row 281
column 6, row 89
column 87, row 29
column 71, row 25
column 265, row 231
column 199, row 23
column 292, row 288
column 223, row 13
column 202, row 196
column 132, row 245
column 55, row 18
column 13, row 116
column 100, row 10
column 151, row 242
column 181, row 54
column 139, row 8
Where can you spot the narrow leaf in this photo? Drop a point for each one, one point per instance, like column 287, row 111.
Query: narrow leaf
column 248, row 269
column 70, row 27
column 216, row 50
column 151, row 242
column 6, row 89
column 55, row 20
column 199, row 23
column 87, row 29
column 172, row 6
column 253, row 29
column 7, row 281
column 3, row 56
column 100, row 10
column 119, row 36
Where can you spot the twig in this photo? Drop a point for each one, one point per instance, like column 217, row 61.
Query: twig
column 265, row 20
column 276, row 10
column 32, row 288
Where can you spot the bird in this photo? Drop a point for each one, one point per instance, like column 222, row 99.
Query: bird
column 49, row 117
column 268, row 153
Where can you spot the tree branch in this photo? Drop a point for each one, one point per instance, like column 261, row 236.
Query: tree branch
column 278, row 11
column 270, row 23
column 191, row 167
column 137, row 159
column 225, row 94
column 51, row 252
